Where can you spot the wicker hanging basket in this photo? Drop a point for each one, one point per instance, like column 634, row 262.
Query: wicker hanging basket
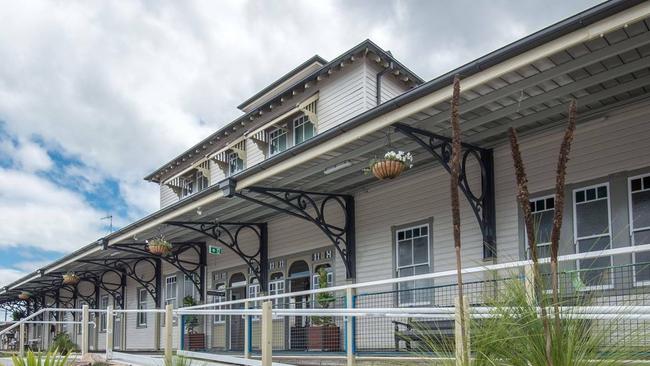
column 388, row 169
column 70, row 279
column 159, row 247
column 24, row 295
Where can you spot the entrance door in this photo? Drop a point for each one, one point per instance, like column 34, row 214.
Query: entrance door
column 237, row 321
column 117, row 331
column 298, row 324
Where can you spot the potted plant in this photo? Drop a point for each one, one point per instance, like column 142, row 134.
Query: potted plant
column 391, row 165
column 159, row 246
column 24, row 295
column 17, row 315
column 194, row 339
column 323, row 334
column 70, row 278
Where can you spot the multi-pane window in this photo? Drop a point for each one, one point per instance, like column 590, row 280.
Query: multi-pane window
column 170, row 290
column 303, row 129
column 591, row 220
column 640, row 225
column 187, row 186
column 412, row 246
column 253, row 292
column 103, row 304
column 188, row 286
column 220, row 297
column 196, row 182
column 235, row 163
column 316, row 278
column 276, row 287
column 277, row 141
column 542, row 210
column 142, row 305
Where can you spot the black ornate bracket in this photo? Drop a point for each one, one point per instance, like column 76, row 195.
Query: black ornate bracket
column 133, row 268
column 483, row 204
column 176, row 258
column 227, row 233
column 309, row 206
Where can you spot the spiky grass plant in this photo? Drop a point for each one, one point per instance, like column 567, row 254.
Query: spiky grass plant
column 179, row 361
column 51, row 358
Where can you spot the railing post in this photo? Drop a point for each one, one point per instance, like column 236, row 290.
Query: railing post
column 267, row 334
column 462, row 348
column 247, row 332
column 109, row 332
column 349, row 327
column 21, row 339
column 169, row 326
column 84, row 330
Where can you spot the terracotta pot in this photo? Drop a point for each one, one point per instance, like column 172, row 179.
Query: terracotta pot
column 70, row 279
column 324, row 338
column 158, row 249
column 388, row 169
column 24, row 296
column 195, row 341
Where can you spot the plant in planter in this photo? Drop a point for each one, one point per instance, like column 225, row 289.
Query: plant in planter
column 323, row 334
column 159, row 246
column 24, row 295
column 391, row 165
column 18, row 314
column 195, row 339
column 70, row 278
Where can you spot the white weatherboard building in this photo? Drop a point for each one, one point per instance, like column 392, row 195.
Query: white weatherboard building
column 280, row 192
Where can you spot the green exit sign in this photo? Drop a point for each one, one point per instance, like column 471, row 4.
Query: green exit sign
column 215, row 250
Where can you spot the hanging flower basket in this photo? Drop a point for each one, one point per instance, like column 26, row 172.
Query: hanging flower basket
column 392, row 165
column 70, row 278
column 24, row 295
column 159, row 246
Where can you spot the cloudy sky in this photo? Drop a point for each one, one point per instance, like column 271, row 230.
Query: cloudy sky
column 95, row 94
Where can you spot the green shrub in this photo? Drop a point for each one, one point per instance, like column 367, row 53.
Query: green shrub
column 51, row 359
column 63, row 344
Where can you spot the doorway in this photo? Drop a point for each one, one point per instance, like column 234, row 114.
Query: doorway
column 237, row 331
column 299, row 280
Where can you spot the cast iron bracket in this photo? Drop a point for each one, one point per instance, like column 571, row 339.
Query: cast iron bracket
column 482, row 204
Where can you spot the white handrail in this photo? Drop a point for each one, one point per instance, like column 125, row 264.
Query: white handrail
column 426, row 276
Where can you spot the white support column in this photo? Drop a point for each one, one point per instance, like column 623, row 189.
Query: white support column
column 109, row 332
column 462, row 348
column 21, row 340
column 349, row 329
column 169, row 334
column 84, row 330
column 267, row 334
column 247, row 332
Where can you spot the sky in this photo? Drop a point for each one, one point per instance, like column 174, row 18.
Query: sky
column 94, row 95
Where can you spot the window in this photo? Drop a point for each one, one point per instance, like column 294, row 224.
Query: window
column 542, row 210
column 142, row 305
column 276, row 287
column 412, row 254
column 277, row 141
column 196, row 182
column 235, row 163
column 315, row 278
column 188, row 286
column 170, row 290
column 640, row 225
column 103, row 304
column 303, row 130
column 221, row 297
column 591, row 220
column 253, row 292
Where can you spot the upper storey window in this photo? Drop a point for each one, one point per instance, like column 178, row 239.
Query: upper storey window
column 235, row 163
column 232, row 158
column 277, row 141
column 303, row 129
column 196, row 179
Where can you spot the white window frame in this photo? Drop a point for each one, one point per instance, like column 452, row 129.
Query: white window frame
column 609, row 231
column 252, row 292
column 168, row 282
column 276, row 133
column 141, row 319
column 219, row 318
column 277, row 287
column 631, row 225
column 187, row 188
column 301, row 121
column 187, row 281
column 103, row 304
column 535, row 199
column 315, row 279
column 398, row 267
column 234, row 156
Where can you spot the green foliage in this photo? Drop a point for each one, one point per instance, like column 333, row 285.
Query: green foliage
column 51, row 359
column 62, row 344
column 191, row 321
column 179, row 361
column 514, row 335
column 17, row 315
column 100, row 363
column 324, row 299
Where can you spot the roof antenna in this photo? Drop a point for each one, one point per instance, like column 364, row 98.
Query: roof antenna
column 109, row 217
